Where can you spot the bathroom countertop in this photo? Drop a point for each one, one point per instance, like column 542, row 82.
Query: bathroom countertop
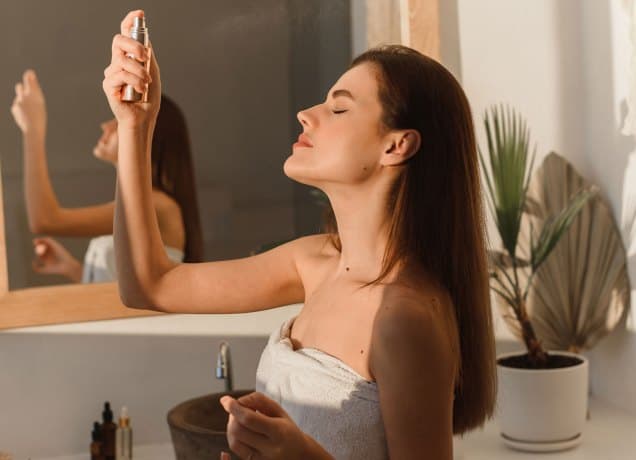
column 609, row 434
column 146, row 452
column 260, row 323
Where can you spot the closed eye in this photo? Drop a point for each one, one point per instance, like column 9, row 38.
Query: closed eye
column 338, row 111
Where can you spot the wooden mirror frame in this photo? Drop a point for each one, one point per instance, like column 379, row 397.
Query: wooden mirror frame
column 38, row 306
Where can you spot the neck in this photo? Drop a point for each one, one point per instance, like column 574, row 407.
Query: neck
column 363, row 227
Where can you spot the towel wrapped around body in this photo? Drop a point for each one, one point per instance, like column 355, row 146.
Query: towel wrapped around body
column 325, row 397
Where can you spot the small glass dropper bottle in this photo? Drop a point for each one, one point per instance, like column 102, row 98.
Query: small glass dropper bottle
column 123, row 437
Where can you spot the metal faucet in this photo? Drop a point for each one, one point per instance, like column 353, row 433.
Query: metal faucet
column 224, row 366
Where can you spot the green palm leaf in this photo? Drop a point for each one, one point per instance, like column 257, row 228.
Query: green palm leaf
column 556, row 226
column 507, row 172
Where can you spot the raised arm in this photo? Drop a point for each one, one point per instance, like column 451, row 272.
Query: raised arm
column 147, row 279
column 44, row 212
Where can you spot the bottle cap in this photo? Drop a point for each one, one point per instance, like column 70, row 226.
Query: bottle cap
column 107, row 414
column 124, row 419
column 139, row 23
column 96, row 434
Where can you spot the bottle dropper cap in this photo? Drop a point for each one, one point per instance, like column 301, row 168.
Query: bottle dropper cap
column 107, row 414
column 97, row 432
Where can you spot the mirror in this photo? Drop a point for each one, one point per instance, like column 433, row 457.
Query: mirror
column 239, row 71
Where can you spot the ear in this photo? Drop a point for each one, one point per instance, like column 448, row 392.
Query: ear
column 400, row 146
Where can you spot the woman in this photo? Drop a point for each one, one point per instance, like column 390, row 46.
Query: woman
column 174, row 194
column 393, row 351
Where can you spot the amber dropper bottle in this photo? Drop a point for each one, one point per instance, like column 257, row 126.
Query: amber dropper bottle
column 96, row 444
column 108, row 433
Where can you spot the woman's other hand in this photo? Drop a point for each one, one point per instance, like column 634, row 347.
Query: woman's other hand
column 29, row 107
column 51, row 258
column 124, row 70
column 259, row 428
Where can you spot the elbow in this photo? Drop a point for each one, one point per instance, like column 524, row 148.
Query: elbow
column 39, row 226
column 135, row 300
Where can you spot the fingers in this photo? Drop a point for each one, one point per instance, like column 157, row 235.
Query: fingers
column 123, row 46
column 258, row 401
column 127, row 23
column 238, row 432
column 154, row 66
column 247, row 417
column 30, row 80
column 126, row 71
column 113, row 83
column 242, row 450
column 131, row 66
column 38, row 266
column 19, row 91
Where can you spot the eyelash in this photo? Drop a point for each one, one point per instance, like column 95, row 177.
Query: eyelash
column 337, row 112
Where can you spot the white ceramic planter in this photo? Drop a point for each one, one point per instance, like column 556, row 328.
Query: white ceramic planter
column 542, row 410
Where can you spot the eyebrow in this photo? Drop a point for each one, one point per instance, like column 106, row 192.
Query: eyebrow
column 342, row 92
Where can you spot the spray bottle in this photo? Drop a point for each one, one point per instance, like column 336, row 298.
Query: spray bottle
column 138, row 32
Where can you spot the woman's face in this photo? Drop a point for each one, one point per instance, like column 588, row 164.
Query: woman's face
column 106, row 148
column 344, row 132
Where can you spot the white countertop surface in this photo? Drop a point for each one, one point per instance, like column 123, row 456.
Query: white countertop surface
column 260, row 323
column 610, row 434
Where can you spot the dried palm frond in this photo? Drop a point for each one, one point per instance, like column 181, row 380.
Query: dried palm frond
column 580, row 291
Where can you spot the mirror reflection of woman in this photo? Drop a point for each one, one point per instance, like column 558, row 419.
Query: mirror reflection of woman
column 393, row 350
column 173, row 194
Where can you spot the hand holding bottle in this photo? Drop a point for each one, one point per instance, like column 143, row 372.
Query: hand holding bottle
column 29, row 107
column 124, row 70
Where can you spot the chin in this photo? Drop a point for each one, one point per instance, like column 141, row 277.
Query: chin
column 299, row 172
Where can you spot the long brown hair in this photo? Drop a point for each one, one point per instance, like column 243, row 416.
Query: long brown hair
column 173, row 172
column 435, row 211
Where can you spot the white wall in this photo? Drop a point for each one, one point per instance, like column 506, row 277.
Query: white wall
column 564, row 66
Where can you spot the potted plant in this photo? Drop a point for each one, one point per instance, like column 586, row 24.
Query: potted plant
column 542, row 396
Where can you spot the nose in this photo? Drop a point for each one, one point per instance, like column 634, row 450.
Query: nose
column 303, row 118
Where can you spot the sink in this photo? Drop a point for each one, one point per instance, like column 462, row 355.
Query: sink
column 197, row 427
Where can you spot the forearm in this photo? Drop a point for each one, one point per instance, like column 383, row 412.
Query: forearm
column 140, row 257
column 41, row 203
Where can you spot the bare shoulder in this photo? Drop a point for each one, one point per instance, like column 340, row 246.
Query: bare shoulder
column 413, row 322
column 164, row 203
column 318, row 245
column 314, row 256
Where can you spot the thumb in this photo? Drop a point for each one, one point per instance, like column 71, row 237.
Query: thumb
column 29, row 79
column 258, row 401
column 40, row 249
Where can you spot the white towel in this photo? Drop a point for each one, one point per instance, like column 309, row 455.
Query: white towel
column 99, row 260
column 326, row 398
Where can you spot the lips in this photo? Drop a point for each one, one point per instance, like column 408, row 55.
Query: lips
column 303, row 140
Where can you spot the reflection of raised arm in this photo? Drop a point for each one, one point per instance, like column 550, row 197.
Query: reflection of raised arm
column 43, row 210
column 147, row 279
